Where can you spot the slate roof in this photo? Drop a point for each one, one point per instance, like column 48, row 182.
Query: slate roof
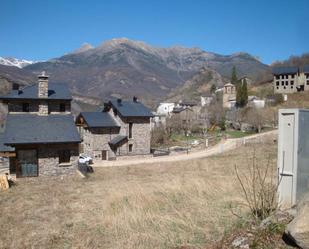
column 306, row 69
column 55, row 91
column 99, row 119
column 131, row 109
column 35, row 129
column 3, row 147
column 187, row 103
column 118, row 139
column 285, row 70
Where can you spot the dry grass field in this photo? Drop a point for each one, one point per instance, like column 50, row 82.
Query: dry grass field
column 155, row 206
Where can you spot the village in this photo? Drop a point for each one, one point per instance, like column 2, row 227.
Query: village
column 42, row 137
column 154, row 124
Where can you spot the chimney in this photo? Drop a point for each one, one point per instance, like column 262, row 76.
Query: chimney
column 43, row 85
column 135, row 100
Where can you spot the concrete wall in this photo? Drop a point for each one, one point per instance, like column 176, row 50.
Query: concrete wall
column 287, row 83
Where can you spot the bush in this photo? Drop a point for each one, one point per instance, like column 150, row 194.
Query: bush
column 159, row 137
column 258, row 188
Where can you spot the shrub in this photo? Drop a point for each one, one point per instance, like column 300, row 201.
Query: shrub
column 258, row 188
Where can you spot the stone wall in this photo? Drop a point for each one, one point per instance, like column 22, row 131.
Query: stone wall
column 43, row 108
column 96, row 139
column 141, row 134
column 48, row 158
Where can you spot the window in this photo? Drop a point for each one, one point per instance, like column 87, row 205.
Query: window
column 292, row 87
column 307, row 82
column 292, row 82
column 64, row 156
column 284, row 87
column 277, row 77
column 292, row 76
column 130, row 130
column 130, row 147
column 287, row 76
column 277, row 83
column 282, row 83
column 62, row 107
column 286, row 83
column 26, row 107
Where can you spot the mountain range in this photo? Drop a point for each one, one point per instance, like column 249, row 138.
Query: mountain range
column 123, row 68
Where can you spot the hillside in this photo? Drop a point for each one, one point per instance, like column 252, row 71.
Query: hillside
column 198, row 86
column 123, row 68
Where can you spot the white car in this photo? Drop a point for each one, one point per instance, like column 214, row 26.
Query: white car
column 85, row 159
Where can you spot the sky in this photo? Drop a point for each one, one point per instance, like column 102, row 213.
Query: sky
column 269, row 29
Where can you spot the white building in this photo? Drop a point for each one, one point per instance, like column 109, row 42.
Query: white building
column 165, row 108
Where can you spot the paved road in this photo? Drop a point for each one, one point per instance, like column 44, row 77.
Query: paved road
column 223, row 146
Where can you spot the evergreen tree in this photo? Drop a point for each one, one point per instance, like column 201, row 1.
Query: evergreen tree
column 213, row 88
column 244, row 93
column 234, row 79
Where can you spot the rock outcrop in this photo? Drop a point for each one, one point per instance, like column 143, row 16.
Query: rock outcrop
column 298, row 229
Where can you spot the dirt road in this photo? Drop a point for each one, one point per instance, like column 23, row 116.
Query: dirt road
column 223, row 146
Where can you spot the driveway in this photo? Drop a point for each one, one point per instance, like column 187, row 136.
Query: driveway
column 223, row 146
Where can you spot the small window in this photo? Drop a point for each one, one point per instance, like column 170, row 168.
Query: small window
column 130, row 147
column 307, row 82
column 292, row 87
column 286, row 83
column 277, row 87
column 292, row 76
column 62, row 107
column 284, row 87
column 130, row 130
column 277, row 83
column 26, row 107
column 292, row 82
column 64, row 156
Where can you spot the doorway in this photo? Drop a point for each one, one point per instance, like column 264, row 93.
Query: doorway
column 27, row 163
column 104, row 155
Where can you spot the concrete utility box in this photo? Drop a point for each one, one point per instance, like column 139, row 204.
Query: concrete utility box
column 293, row 156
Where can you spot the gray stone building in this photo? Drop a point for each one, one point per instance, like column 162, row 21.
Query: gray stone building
column 40, row 130
column 121, row 129
column 290, row 79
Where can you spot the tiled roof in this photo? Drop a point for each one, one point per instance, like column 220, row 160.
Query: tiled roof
column 99, row 119
column 35, row 129
column 131, row 108
column 285, row 70
column 55, row 91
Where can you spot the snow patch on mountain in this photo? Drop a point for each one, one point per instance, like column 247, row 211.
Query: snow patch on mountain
column 10, row 61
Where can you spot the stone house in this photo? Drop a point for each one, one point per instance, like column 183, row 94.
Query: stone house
column 121, row 129
column 290, row 79
column 229, row 95
column 40, row 133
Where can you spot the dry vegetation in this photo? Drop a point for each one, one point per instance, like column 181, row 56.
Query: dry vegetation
column 155, row 206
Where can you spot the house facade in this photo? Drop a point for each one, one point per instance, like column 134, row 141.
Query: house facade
column 40, row 131
column 122, row 128
column 290, row 79
column 229, row 96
